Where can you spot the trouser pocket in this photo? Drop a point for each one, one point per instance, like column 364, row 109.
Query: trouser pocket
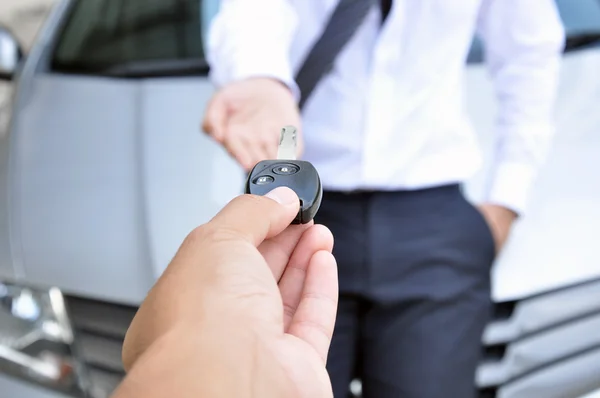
column 483, row 228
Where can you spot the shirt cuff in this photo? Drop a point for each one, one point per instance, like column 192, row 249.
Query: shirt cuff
column 280, row 70
column 510, row 186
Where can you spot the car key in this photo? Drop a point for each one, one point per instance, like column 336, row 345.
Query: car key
column 299, row 175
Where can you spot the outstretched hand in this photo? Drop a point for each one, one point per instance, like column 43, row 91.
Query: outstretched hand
column 246, row 118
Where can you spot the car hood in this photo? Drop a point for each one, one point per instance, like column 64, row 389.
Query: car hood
column 107, row 178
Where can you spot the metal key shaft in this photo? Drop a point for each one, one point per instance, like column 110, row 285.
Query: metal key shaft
column 287, row 143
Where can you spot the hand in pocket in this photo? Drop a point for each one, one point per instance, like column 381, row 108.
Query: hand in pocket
column 500, row 220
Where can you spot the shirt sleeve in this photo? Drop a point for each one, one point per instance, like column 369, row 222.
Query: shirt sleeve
column 252, row 38
column 524, row 40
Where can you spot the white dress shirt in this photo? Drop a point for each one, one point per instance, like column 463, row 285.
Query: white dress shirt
column 391, row 115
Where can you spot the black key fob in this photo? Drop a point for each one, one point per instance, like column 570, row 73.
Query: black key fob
column 299, row 175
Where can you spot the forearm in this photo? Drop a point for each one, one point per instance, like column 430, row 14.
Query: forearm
column 524, row 42
column 526, row 90
column 252, row 39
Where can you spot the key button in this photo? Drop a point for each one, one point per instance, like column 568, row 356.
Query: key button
column 263, row 180
column 285, row 169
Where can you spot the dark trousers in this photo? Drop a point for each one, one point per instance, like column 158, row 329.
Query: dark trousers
column 414, row 274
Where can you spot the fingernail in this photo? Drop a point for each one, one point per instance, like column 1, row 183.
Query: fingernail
column 283, row 195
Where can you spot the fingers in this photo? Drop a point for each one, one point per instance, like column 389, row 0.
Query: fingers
column 278, row 250
column 239, row 150
column 244, row 145
column 215, row 118
column 255, row 218
column 292, row 282
column 216, row 123
column 249, row 143
column 314, row 319
column 243, row 141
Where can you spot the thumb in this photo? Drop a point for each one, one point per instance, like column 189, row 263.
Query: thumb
column 255, row 218
column 215, row 118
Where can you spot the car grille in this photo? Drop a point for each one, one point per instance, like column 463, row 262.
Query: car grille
column 515, row 331
column 99, row 329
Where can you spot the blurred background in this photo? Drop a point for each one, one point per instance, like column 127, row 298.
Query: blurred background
column 103, row 171
column 24, row 17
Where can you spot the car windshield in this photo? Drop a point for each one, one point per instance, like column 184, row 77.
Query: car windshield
column 142, row 38
column 134, row 38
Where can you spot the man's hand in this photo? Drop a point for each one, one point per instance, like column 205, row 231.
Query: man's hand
column 500, row 220
column 246, row 117
column 246, row 308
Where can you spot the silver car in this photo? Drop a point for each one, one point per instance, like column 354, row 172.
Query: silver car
column 103, row 171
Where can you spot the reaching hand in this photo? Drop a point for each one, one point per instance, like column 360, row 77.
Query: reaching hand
column 246, row 117
column 246, row 293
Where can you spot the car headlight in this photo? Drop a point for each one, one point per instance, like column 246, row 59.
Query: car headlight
column 36, row 338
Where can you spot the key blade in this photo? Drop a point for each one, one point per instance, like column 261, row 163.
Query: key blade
column 287, row 143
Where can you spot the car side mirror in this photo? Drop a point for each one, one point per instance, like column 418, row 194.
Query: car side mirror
column 11, row 54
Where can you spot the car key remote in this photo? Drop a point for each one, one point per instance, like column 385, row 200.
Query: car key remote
column 301, row 176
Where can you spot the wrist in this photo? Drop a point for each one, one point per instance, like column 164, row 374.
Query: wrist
column 500, row 220
column 500, row 211
column 273, row 82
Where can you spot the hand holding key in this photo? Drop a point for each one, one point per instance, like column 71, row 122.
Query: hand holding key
column 245, row 117
column 248, row 298
column 300, row 176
